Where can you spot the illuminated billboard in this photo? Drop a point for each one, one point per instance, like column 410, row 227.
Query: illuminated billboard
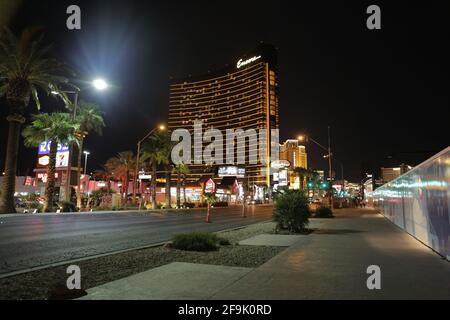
column 231, row 171
column 62, row 155
column 44, row 147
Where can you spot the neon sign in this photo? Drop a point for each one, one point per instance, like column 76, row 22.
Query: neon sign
column 242, row 62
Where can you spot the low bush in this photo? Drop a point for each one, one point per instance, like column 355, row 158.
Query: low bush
column 195, row 241
column 160, row 205
column 220, row 204
column 224, row 242
column 188, row 205
column 67, row 206
column 324, row 212
column 291, row 211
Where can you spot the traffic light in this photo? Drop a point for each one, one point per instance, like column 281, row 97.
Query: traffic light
column 324, row 185
column 310, row 185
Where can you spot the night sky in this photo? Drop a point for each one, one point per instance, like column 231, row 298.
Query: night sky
column 385, row 93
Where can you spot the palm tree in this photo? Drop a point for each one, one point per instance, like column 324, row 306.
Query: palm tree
column 155, row 153
column 166, row 149
column 57, row 127
column 181, row 170
column 122, row 167
column 24, row 69
column 90, row 118
column 210, row 198
column 104, row 175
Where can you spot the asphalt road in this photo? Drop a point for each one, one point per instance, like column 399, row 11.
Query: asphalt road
column 35, row 240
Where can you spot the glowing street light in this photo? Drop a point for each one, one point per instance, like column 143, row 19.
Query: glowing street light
column 161, row 128
column 99, row 84
column 86, row 153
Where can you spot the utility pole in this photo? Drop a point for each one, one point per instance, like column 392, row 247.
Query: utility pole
column 330, row 169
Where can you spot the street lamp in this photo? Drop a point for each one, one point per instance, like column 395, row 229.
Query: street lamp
column 328, row 150
column 86, row 153
column 161, row 127
column 98, row 84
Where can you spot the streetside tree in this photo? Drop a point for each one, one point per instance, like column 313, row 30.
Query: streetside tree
column 26, row 70
column 57, row 127
column 90, row 118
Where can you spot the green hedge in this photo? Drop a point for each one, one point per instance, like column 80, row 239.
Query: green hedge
column 196, row 241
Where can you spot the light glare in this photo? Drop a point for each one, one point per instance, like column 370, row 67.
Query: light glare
column 100, row 84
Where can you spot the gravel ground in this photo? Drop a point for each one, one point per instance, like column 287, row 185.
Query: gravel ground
column 42, row 284
column 247, row 232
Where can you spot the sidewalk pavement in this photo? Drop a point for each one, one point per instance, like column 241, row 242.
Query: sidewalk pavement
column 330, row 263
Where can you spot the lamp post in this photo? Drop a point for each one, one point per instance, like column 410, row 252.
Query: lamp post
column 69, row 163
column 328, row 150
column 86, row 153
column 136, row 178
column 100, row 85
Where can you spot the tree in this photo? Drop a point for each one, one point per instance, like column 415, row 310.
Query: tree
column 122, row 168
column 104, row 175
column 210, row 198
column 154, row 152
column 166, row 145
column 181, row 170
column 59, row 128
column 90, row 118
column 25, row 68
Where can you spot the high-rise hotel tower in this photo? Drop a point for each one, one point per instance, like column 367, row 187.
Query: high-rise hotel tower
column 240, row 96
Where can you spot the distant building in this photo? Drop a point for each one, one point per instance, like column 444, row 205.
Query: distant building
column 293, row 152
column 321, row 174
column 389, row 174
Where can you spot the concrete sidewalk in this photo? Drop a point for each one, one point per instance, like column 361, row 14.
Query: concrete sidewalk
column 332, row 264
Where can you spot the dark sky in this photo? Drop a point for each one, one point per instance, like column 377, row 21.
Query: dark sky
column 383, row 92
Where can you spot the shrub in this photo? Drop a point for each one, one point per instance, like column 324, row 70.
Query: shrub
column 189, row 205
column 324, row 212
column 195, row 241
column 67, row 206
column 220, row 204
column 224, row 242
column 291, row 211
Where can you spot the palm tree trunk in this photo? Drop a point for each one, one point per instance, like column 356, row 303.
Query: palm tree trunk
column 80, row 148
column 7, row 203
column 168, row 195
column 51, row 169
column 208, row 213
column 153, row 185
column 127, row 180
column 133, row 187
column 178, row 190
column 184, row 189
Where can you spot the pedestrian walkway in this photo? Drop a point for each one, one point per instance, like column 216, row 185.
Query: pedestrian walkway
column 177, row 280
column 332, row 263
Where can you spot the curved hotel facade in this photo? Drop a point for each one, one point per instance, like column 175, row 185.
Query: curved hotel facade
column 241, row 96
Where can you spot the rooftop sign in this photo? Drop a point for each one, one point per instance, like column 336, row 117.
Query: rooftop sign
column 242, row 62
